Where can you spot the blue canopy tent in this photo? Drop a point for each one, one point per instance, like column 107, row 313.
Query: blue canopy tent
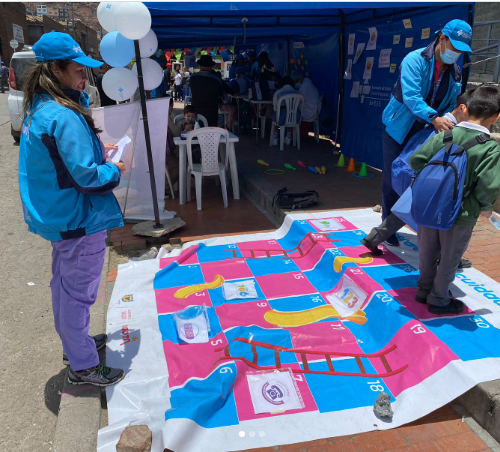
column 313, row 37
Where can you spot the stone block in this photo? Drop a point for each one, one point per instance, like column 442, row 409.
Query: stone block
column 135, row 438
column 147, row 228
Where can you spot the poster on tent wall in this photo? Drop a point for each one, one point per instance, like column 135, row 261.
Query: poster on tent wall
column 318, row 60
column 362, row 116
column 259, row 340
column 134, row 192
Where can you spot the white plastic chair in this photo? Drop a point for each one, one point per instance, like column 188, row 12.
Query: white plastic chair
column 315, row 118
column 292, row 104
column 208, row 139
column 178, row 119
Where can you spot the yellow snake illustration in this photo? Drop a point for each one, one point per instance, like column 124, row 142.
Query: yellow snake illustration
column 308, row 316
column 190, row 290
column 341, row 260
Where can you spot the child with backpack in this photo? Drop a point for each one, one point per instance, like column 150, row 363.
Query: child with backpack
column 458, row 180
column 402, row 175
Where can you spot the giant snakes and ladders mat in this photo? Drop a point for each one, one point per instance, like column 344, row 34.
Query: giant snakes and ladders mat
column 329, row 327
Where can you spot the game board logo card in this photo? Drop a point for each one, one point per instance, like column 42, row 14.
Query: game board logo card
column 273, row 391
column 347, row 297
column 127, row 299
column 327, row 224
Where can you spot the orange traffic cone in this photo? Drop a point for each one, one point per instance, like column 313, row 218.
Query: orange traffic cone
column 351, row 168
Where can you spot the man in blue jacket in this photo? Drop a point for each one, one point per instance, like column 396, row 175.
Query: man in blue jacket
column 427, row 88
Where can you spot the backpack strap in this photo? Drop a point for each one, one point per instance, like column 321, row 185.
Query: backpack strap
column 448, row 140
column 479, row 139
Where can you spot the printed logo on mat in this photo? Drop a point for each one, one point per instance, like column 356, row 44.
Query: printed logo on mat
column 127, row 299
column 276, row 392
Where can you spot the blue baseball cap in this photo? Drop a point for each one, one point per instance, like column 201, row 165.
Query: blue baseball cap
column 61, row 46
column 460, row 34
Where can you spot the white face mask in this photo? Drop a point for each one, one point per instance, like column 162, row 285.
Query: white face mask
column 449, row 56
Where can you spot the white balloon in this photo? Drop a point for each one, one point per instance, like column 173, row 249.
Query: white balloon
column 148, row 44
column 106, row 15
column 119, row 83
column 133, row 20
column 152, row 73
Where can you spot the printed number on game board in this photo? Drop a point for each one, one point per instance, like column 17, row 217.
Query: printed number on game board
column 375, row 386
column 199, row 294
column 384, row 297
column 287, row 262
column 231, row 246
column 302, row 222
column 479, row 322
column 408, row 268
column 271, row 242
column 225, row 370
column 356, row 271
column 316, row 300
column 335, row 252
column 299, row 276
column 261, row 305
column 337, row 326
column 298, row 377
column 218, row 341
column 418, row 329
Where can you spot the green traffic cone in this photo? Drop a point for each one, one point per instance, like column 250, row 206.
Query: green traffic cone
column 341, row 162
column 363, row 171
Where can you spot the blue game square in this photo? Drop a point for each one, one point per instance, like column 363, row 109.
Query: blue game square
column 209, row 402
column 337, row 393
column 216, row 253
column 168, row 328
column 395, row 276
column 322, row 276
column 176, row 275
column 469, row 337
column 386, row 316
column 271, row 266
column 266, row 356
column 217, row 296
column 300, row 303
column 346, row 238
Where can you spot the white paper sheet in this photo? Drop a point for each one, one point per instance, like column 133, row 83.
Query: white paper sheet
column 118, row 154
column 384, row 59
column 372, row 39
column 348, row 71
column 350, row 45
column 367, row 74
column 355, row 89
column 359, row 51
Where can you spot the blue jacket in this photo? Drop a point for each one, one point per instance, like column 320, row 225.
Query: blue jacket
column 65, row 183
column 407, row 103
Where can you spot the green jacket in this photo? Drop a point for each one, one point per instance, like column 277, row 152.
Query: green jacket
column 483, row 167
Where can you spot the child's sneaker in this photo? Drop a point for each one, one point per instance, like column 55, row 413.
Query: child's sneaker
column 100, row 343
column 373, row 249
column 99, row 375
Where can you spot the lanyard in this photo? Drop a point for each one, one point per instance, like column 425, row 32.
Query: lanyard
column 31, row 114
column 436, row 86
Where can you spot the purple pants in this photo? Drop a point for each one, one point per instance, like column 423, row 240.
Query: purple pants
column 76, row 273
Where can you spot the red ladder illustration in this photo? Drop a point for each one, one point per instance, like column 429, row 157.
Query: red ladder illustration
column 309, row 238
column 382, row 355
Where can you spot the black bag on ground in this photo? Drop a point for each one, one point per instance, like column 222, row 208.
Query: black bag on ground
column 295, row 199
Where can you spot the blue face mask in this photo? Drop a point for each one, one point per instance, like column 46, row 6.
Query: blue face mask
column 449, row 56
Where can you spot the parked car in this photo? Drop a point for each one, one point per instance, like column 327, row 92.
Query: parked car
column 19, row 65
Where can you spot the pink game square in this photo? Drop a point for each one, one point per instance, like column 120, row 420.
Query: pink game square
column 186, row 257
column 230, row 269
column 388, row 258
column 192, row 360
column 244, row 400
column 259, row 248
column 332, row 224
column 331, row 336
column 417, row 348
column 314, row 255
column 243, row 314
column 407, row 298
column 167, row 303
column 285, row 285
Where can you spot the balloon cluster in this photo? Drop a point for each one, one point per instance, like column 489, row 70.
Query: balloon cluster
column 126, row 22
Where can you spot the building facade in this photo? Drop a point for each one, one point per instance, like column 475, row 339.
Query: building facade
column 13, row 25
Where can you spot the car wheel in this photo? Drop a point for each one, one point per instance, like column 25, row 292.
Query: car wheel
column 16, row 139
column 15, row 135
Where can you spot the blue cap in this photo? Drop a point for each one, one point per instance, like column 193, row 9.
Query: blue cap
column 61, row 46
column 460, row 34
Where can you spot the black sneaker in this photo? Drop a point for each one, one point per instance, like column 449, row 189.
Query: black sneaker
column 392, row 240
column 465, row 263
column 373, row 249
column 453, row 307
column 100, row 343
column 421, row 299
column 99, row 375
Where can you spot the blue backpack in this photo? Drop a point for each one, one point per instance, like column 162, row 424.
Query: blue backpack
column 438, row 189
column 401, row 172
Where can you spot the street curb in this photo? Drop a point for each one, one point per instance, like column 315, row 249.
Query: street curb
column 483, row 403
column 79, row 416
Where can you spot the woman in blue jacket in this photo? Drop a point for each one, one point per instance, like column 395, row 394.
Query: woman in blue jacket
column 66, row 192
column 427, row 88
